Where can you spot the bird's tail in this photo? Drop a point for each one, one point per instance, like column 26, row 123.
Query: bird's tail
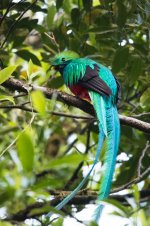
column 109, row 120
column 76, row 190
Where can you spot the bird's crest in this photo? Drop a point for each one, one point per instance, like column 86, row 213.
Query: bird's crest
column 62, row 57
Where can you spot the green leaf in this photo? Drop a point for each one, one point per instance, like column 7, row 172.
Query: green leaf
column 136, row 68
column 87, row 4
column 2, row 223
column 144, row 99
column 120, row 59
column 59, row 3
column 75, row 17
column 6, row 194
column 9, row 98
column 26, row 55
column 122, row 13
column 26, row 150
column 124, row 210
column 50, row 16
column 67, row 160
column 30, row 67
column 136, row 193
column 39, row 102
column 58, row 222
column 56, row 82
column 6, row 73
column 93, row 224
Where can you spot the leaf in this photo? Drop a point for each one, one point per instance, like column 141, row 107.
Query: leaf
column 144, row 99
column 136, row 193
column 93, row 224
column 120, row 59
column 39, row 102
column 9, row 98
column 2, row 223
column 30, row 67
column 58, row 222
column 122, row 13
column 6, row 194
column 66, row 160
column 50, row 16
column 56, row 82
column 75, row 17
column 59, row 3
column 6, row 73
column 124, row 210
column 136, row 68
column 87, row 4
column 26, row 55
column 26, row 150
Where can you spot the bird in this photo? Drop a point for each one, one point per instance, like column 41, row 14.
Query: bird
column 90, row 80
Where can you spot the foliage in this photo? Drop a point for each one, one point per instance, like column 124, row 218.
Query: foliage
column 41, row 151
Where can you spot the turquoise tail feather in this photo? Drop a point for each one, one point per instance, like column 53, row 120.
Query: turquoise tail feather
column 112, row 143
column 109, row 129
column 74, row 192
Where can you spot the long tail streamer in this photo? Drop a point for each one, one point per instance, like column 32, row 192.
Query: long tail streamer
column 112, row 142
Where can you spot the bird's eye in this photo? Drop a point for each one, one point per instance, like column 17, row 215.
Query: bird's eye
column 63, row 59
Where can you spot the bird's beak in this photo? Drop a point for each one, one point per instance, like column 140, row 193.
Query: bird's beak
column 52, row 67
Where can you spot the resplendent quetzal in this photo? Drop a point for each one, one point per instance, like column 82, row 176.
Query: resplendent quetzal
column 92, row 81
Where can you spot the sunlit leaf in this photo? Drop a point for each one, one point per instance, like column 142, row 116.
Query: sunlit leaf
column 58, row 222
column 39, row 102
column 6, row 73
column 26, row 150
column 9, row 98
column 2, row 223
column 136, row 193
column 30, row 67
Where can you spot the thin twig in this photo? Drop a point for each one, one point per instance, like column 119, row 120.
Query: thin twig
column 53, row 39
column 21, row 107
column 141, row 115
column 17, row 137
column 140, row 175
column 7, row 11
column 134, row 181
column 15, row 22
column 141, row 158
column 71, row 115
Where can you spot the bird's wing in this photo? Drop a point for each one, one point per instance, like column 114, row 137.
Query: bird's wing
column 92, row 81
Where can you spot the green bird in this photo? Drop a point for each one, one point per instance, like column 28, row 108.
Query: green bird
column 90, row 80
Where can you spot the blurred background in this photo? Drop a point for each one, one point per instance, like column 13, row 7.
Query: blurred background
column 44, row 148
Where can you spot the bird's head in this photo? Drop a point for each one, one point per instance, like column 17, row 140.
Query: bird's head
column 60, row 60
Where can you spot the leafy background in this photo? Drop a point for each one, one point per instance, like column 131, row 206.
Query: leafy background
column 41, row 152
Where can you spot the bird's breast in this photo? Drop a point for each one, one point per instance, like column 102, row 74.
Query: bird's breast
column 80, row 91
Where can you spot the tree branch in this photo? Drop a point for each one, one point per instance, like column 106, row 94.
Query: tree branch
column 83, row 198
column 71, row 100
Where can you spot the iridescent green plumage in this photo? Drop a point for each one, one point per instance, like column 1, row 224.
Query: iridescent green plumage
column 85, row 75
